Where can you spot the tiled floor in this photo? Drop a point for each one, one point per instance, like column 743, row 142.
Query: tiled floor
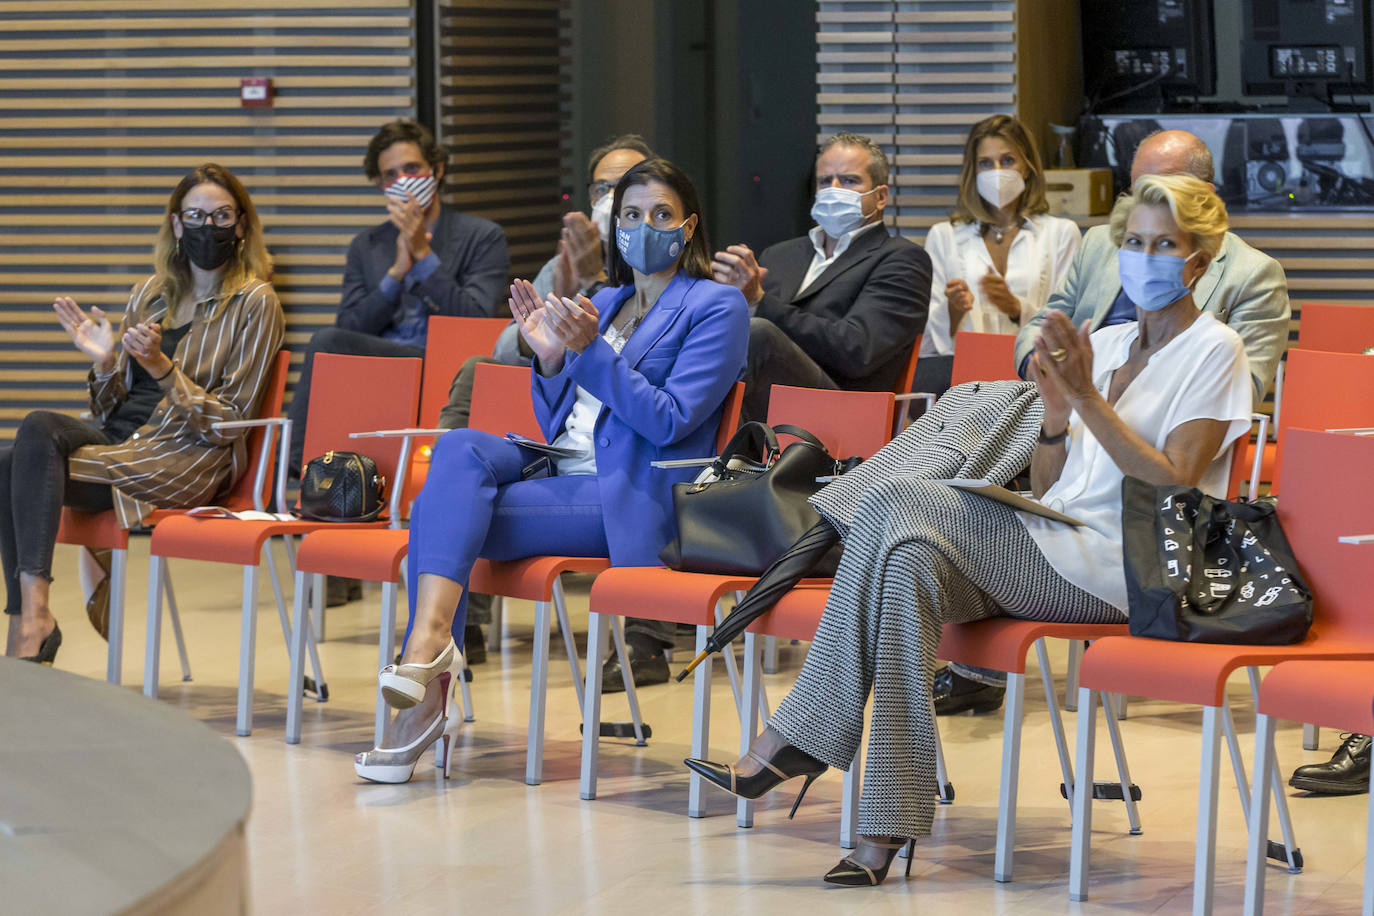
column 323, row 842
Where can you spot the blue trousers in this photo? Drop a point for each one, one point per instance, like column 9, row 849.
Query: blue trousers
column 474, row 504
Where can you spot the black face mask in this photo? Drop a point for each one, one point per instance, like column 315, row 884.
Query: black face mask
column 209, row 246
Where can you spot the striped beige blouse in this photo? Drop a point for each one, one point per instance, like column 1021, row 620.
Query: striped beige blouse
column 220, row 372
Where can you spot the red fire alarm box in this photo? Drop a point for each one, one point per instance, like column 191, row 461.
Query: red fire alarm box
column 255, row 92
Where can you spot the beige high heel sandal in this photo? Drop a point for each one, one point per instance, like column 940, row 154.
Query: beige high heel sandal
column 403, row 686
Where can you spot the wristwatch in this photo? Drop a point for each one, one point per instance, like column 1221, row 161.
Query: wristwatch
column 1053, row 440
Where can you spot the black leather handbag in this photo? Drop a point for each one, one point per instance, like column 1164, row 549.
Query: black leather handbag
column 341, row 487
column 1201, row 569
column 751, row 504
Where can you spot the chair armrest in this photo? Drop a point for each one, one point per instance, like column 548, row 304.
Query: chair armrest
column 927, row 396
column 682, row 462
column 1356, row 539
column 1355, row 431
column 1257, row 465
column 273, row 425
column 397, row 433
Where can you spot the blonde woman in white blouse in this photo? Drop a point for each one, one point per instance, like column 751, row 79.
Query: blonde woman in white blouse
column 999, row 255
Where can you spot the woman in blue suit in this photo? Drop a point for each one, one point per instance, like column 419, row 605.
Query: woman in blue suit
column 634, row 374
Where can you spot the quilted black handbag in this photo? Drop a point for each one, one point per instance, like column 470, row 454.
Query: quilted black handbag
column 1201, row 569
column 341, row 487
column 751, row 504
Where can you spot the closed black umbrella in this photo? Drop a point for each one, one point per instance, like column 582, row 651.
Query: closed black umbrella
column 787, row 570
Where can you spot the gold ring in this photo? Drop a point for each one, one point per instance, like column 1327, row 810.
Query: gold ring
column 1059, row 355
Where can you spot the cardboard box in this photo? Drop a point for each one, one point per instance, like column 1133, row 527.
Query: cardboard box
column 1079, row 192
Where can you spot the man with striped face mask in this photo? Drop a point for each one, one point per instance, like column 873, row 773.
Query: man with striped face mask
column 424, row 259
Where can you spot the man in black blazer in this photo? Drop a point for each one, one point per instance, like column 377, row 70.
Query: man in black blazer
column 425, row 260
column 840, row 307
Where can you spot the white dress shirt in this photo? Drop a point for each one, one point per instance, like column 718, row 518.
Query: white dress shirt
column 581, row 423
column 1037, row 263
column 820, row 262
column 1202, row 374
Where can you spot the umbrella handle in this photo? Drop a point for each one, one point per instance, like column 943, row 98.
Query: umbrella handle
column 701, row 657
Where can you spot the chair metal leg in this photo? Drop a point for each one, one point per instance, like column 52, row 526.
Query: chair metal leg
column 539, row 689
column 175, row 616
column 631, row 694
column 386, row 651
column 1121, row 703
column 1311, row 736
column 565, row 628
column 1061, row 743
column 597, row 640
column 1123, row 771
column 1258, row 847
column 1228, row 726
column 295, row 678
column 153, row 640
column 749, row 716
column 316, row 604
column 1368, row 908
column 1205, row 854
column 465, row 692
column 496, row 631
column 944, row 791
column 1076, row 647
column 1081, row 795
column 701, row 722
column 850, row 791
column 770, row 655
column 114, row 659
column 1011, row 770
column 731, row 668
column 248, row 632
column 767, row 642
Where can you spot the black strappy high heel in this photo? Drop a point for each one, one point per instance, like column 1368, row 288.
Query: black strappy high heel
column 850, row 873
column 47, row 649
column 787, row 763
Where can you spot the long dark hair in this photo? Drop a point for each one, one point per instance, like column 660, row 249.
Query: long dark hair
column 696, row 260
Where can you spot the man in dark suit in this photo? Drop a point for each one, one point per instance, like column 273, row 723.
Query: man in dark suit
column 425, row 260
column 840, row 307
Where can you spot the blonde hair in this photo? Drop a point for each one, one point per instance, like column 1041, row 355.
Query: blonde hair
column 250, row 261
column 971, row 207
column 1192, row 202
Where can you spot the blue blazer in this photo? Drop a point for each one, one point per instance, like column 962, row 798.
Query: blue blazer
column 661, row 398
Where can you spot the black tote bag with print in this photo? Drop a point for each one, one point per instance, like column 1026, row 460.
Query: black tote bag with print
column 1201, row 569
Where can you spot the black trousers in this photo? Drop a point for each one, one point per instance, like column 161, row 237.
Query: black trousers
column 345, row 343
column 775, row 359
column 34, row 487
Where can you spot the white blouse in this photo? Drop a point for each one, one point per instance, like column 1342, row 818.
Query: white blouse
column 1037, row 263
column 1201, row 374
column 581, row 423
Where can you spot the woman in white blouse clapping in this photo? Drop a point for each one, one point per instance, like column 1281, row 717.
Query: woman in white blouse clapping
column 999, row 255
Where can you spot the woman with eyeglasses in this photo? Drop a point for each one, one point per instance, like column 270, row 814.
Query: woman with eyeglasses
column 198, row 341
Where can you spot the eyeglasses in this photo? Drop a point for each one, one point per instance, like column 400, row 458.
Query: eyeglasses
column 600, row 189
column 224, row 217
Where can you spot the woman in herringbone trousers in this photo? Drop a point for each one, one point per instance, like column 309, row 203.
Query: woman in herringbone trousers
column 1161, row 398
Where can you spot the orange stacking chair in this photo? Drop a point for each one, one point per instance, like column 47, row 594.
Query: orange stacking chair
column 101, row 530
column 1335, row 328
column 500, row 404
column 1298, row 691
column 983, row 358
column 1318, row 504
column 348, row 392
column 540, row 579
column 449, row 343
column 849, row 423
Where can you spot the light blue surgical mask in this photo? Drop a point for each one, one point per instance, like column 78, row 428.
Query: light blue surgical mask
column 1152, row 281
column 649, row 250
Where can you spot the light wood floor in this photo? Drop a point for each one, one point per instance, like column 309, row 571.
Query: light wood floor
column 323, row 842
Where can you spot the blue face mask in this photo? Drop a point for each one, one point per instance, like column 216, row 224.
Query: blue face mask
column 1152, row 281
column 649, row 250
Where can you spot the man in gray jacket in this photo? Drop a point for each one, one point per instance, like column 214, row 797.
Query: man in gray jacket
column 1243, row 287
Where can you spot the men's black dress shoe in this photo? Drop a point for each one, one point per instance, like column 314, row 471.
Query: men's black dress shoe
column 339, row 591
column 648, row 666
column 1346, row 773
column 955, row 694
column 474, row 645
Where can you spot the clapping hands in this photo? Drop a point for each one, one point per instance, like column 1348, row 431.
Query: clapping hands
column 92, row 334
column 554, row 325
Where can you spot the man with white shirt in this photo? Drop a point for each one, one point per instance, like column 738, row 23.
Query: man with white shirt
column 841, row 306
